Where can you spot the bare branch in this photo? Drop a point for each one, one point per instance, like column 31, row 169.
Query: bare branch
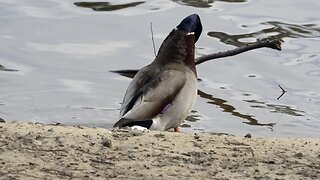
column 154, row 46
column 273, row 44
column 283, row 92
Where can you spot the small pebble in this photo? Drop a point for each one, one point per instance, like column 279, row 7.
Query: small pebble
column 196, row 136
column 234, row 155
column 37, row 142
column 298, row 155
column 246, row 173
column 86, row 135
column 38, row 137
column 159, row 135
column 125, row 147
column 106, row 143
column 270, row 162
column 2, row 120
column 248, row 135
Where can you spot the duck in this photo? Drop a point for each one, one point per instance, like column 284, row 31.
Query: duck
column 162, row 94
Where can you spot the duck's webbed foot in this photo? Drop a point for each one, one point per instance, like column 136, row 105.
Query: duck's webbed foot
column 176, row 129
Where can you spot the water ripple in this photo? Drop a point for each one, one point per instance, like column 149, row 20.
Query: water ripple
column 278, row 30
column 106, row 6
column 204, row 3
column 250, row 119
column 276, row 108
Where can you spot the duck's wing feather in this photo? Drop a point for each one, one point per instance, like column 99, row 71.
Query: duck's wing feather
column 149, row 94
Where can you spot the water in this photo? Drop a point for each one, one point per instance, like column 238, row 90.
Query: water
column 63, row 53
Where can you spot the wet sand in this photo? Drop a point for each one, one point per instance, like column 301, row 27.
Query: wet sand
column 37, row 151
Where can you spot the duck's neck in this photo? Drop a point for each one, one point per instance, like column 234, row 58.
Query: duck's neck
column 178, row 48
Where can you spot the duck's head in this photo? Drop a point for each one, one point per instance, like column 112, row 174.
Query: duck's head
column 191, row 24
column 179, row 45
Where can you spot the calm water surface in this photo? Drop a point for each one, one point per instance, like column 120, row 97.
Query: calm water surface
column 63, row 51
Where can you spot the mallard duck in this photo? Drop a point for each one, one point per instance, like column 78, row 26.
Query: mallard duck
column 162, row 94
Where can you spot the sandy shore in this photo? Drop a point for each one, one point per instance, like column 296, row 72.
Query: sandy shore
column 36, row 151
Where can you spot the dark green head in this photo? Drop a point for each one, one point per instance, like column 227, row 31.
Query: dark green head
column 191, row 24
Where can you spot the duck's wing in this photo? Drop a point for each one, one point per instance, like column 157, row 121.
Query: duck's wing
column 148, row 95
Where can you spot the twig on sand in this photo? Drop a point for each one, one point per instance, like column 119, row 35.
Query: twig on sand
column 237, row 148
column 46, row 150
column 273, row 44
column 102, row 162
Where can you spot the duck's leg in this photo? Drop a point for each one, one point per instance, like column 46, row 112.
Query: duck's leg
column 176, row 129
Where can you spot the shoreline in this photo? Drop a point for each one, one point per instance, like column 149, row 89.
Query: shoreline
column 38, row 151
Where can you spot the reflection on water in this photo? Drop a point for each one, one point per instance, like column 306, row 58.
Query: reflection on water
column 106, row 6
column 233, row 1
column 195, row 3
column 279, row 30
column 3, row 68
column 232, row 110
column 276, row 108
column 193, row 117
column 77, row 86
column 203, row 3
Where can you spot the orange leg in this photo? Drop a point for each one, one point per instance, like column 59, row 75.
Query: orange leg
column 176, row 129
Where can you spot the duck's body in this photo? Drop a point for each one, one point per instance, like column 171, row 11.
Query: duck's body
column 162, row 94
